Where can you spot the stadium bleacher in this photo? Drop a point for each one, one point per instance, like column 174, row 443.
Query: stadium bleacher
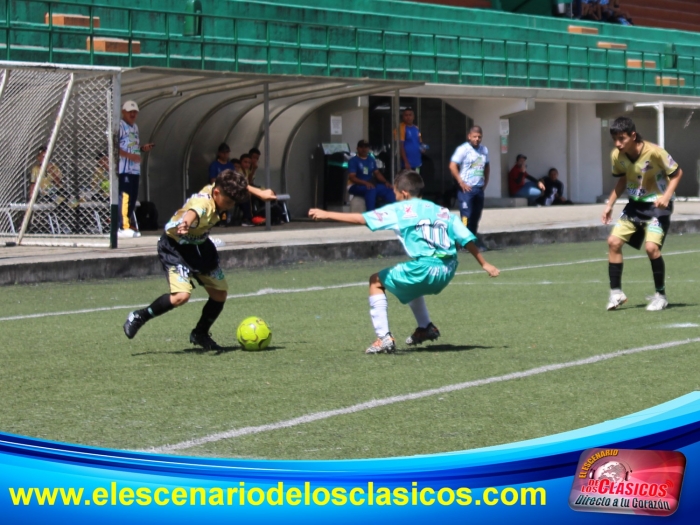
column 378, row 39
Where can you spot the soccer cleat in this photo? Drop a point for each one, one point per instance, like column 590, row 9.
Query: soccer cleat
column 204, row 340
column 383, row 345
column 617, row 299
column 658, row 302
column 133, row 324
column 421, row 335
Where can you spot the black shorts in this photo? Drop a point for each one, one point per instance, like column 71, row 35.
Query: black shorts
column 184, row 262
column 646, row 220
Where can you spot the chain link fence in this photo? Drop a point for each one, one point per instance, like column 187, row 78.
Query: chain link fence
column 55, row 193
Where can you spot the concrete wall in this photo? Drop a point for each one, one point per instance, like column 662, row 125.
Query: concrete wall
column 304, row 165
column 541, row 136
column 584, row 181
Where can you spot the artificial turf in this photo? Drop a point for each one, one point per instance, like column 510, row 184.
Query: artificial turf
column 76, row 377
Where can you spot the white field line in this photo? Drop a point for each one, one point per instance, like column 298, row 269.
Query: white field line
column 317, row 416
column 275, row 291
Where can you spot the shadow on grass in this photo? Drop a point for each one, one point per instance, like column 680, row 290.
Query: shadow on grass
column 669, row 307
column 202, row 351
column 444, row 348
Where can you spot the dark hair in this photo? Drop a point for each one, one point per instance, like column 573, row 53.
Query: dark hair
column 232, row 184
column 234, row 161
column 254, row 151
column 42, row 149
column 408, row 108
column 223, row 147
column 476, row 128
column 551, row 170
column 624, row 125
column 244, row 156
column 410, row 182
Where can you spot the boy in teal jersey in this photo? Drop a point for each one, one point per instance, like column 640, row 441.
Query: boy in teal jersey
column 430, row 235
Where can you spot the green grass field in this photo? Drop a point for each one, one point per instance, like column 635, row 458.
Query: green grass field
column 76, row 378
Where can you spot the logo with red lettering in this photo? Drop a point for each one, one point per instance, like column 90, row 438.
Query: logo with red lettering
column 640, row 482
column 409, row 212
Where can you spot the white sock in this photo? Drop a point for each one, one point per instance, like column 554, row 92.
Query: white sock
column 420, row 312
column 378, row 308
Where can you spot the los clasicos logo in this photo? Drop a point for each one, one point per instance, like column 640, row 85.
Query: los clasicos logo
column 641, row 482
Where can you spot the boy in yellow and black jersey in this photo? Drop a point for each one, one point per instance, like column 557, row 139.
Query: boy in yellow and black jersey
column 650, row 177
column 187, row 253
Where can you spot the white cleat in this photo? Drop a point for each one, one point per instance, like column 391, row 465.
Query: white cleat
column 658, row 302
column 617, row 299
column 383, row 345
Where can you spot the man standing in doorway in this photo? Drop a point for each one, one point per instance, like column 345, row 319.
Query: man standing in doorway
column 471, row 169
column 129, row 168
column 411, row 142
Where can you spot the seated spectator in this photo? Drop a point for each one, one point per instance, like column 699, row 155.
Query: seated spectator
column 591, row 10
column 254, row 158
column 611, row 12
column 51, row 183
column 100, row 178
column 246, row 167
column 221, row 163
column 553, row 190
column 366, row 180
column 522, row 184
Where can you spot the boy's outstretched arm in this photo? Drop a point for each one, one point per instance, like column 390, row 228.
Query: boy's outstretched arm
column 263, row 195
column 351, row 218
column 489, row 268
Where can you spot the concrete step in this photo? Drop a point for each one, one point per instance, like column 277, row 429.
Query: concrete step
column 505, row 202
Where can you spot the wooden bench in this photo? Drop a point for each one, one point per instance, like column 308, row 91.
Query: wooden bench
column 59, row 19
column 636, row 63
column 612, row 45
column 114, row 45
column 583, row 30
column 670, row 81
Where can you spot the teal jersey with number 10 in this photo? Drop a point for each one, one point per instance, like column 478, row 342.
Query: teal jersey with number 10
column 424, row 228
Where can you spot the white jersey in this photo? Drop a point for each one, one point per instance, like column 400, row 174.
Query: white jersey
column 129, row 142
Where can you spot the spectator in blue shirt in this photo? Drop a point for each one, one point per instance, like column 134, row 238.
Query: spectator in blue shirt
column 367, row 181
column 221, row 163
column 411, row 142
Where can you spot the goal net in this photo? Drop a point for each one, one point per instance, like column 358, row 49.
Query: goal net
column 56, row 154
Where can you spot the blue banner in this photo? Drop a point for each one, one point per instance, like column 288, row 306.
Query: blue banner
column 526, row 482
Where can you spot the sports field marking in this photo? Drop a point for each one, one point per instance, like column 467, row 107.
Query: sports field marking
column 309, row 418
column 682, row 325
column 274, row 291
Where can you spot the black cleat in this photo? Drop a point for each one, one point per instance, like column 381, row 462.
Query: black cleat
column 421, row 335
column 204, row 340
column 133, row 324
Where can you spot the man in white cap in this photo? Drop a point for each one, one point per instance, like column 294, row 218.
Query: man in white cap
column 129, row 168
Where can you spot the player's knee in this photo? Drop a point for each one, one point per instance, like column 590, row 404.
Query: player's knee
column 219, row 296
column 374, row 280
column 653, row 250
column 178, row 299
column 615, row 243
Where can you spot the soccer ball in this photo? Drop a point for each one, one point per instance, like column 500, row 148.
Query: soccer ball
column 254, row 334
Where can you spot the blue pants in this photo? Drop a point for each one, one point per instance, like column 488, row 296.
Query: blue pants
column 471, row 204
column 530, row 191
column 128, row 193
column 370, row 195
